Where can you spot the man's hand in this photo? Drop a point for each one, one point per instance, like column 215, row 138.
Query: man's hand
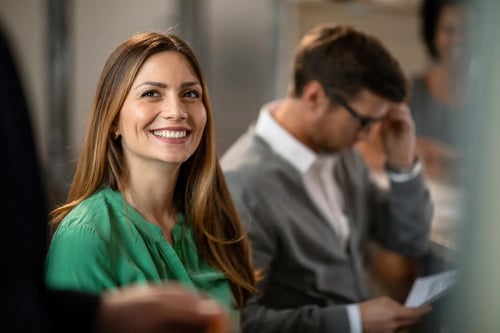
column 384, row 315
column 167, row 309
column 398, row 136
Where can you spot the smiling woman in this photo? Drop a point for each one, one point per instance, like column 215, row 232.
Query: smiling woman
column 163, row 117
column 148, row 202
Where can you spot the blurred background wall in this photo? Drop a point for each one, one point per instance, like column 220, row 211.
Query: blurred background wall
column 245, row 48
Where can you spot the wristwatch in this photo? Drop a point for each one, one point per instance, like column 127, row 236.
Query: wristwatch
column 398, row 175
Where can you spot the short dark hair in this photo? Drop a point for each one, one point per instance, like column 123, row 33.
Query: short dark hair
column 430, row 10
column 347, row 60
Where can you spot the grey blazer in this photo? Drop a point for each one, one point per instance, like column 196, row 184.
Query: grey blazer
column 308, row 279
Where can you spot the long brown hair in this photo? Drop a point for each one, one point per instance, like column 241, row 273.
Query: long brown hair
column 201, row 191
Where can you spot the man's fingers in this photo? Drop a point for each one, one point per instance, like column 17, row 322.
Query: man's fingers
column 413, row 314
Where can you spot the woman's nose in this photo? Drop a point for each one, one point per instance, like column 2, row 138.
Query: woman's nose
column 173, row 108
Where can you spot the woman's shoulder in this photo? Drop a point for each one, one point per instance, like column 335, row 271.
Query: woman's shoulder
column 93, row 213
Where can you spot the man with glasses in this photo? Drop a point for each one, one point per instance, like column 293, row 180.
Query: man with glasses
column 306, row 197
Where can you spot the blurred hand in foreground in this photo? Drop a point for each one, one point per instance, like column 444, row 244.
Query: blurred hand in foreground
column 154, row 309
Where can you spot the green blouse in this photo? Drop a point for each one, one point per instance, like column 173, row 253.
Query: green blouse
column 104, row 243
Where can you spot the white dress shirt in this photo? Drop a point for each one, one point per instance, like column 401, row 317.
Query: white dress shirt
column 316, row 171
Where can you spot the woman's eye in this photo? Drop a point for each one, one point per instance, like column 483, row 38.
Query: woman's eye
column 150, row 93
column 192, row 94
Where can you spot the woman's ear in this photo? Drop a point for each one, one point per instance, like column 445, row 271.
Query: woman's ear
column 115, row 134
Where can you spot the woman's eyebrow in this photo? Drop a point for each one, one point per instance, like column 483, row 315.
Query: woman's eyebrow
column 152, row 83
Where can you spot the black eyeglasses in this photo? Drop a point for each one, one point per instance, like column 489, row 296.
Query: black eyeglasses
column 364, row 121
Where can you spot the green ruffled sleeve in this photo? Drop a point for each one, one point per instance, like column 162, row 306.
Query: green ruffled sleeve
column 77, row 260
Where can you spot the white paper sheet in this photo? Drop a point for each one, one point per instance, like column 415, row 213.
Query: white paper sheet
column 428, row 288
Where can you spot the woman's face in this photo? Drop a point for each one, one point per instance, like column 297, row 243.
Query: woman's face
column 453, row 35
column 163, row 116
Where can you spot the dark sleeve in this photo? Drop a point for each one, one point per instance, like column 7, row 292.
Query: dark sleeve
column 28, row 305
column 71, row 311
column 402, row 216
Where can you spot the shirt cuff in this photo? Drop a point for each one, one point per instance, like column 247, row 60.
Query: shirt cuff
column 404, row 176
column 354, row 318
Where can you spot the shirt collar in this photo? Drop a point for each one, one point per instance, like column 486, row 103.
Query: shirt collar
column 283, row 143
